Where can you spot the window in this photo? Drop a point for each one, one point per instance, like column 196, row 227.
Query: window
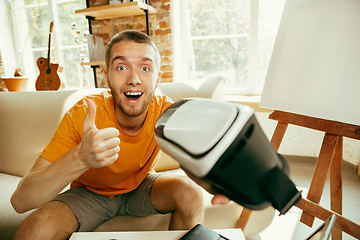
column 31, row 26
column 231, row 37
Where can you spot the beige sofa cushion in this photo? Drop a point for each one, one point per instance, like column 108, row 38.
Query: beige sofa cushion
column 28, row 122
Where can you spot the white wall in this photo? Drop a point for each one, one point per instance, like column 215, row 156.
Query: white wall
column 302, row 141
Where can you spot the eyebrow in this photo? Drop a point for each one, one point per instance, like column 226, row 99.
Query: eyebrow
column 144, row 59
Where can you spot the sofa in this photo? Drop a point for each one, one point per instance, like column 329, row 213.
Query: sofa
column 29, row 119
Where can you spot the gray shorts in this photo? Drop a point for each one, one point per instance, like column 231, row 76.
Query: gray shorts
column 92, row 209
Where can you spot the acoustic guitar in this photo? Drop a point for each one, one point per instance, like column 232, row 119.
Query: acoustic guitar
column 48, row 78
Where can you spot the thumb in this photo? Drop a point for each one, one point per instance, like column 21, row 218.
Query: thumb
column 89, row 122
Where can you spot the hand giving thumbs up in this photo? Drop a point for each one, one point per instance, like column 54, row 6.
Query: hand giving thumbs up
column 99, row 147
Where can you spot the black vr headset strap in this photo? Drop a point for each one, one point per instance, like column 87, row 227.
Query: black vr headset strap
column 279, row 190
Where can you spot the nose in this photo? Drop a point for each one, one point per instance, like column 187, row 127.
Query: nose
column 133, row 78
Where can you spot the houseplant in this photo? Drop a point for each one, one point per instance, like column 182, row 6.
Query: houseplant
column 16, row 83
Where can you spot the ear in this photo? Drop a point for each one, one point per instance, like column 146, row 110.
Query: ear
column 106, row 79
column 158, row 80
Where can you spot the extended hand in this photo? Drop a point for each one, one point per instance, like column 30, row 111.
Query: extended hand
column 218, row 198
column 99, row 148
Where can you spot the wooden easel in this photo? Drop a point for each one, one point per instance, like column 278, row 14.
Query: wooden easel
column 330, row 158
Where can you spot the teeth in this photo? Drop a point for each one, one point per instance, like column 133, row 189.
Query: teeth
column 133, row 93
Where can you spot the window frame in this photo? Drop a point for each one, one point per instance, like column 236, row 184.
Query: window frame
column 181, row 37
column 8, row 55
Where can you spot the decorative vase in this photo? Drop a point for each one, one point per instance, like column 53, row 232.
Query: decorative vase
column 15, row 84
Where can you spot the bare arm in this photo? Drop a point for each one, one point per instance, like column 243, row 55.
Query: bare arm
column 45, row 181
column 99, row 148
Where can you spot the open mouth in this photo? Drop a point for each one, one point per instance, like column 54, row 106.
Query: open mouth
column 133, row 95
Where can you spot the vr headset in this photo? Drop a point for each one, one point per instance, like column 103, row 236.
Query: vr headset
column 224, row 144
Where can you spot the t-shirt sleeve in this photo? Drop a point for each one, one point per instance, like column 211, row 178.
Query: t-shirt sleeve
column 166, row 103
column 66, row 137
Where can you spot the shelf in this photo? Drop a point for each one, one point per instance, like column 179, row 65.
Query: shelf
column 116, row 10
column 97, row 63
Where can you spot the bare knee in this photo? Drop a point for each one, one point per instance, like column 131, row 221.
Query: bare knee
column 180, row 196
column 177, row 193
column 189, row 196
column 54, row 220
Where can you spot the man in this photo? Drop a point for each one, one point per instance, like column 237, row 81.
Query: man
column 105, row 148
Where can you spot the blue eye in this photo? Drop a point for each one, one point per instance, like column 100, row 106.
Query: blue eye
column 121, row 68
column 145, row 69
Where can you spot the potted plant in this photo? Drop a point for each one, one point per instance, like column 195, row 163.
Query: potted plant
column 16, row 81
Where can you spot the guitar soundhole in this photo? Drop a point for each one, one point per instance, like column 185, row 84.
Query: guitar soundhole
column 48, row 71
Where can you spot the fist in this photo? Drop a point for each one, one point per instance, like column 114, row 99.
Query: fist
column 99, row 147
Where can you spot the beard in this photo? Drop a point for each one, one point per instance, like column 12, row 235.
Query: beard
column 132, row 111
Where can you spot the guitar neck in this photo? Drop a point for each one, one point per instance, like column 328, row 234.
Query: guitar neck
column 49, row 45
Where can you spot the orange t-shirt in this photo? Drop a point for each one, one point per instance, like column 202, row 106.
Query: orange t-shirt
column 138, row 153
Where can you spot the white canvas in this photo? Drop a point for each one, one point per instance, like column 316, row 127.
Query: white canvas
column 315, row 66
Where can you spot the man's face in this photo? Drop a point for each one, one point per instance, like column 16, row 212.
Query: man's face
column 132, row 76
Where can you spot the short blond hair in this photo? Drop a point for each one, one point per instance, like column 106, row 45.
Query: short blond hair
column 134, row 36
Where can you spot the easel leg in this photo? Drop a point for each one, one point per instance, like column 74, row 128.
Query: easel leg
column 343, row 223
column 336, row 169
column 319, row 178
column 244, row 218
column 278, row 135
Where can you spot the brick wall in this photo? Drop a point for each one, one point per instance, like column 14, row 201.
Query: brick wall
column 160, row 32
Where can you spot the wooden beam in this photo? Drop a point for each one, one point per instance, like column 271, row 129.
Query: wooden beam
column 319, row 177
column 336, row 172
column 336, row 128
column 342, row 223
column 278, row 135
column 244, row 218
